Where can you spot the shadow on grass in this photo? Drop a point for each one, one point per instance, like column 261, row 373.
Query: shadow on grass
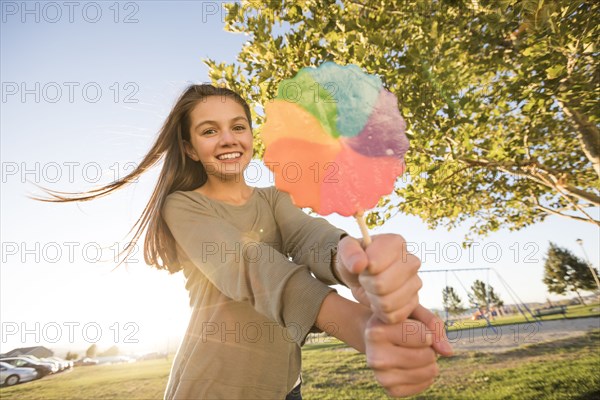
column 548, row 348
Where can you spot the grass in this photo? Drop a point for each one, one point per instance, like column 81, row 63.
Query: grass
column 578, row 311
column 564, row 369
column 140, row 380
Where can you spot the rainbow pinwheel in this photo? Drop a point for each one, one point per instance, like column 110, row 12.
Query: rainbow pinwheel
column 334, row 139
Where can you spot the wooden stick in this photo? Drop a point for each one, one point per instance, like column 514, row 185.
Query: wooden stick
column 360, row 218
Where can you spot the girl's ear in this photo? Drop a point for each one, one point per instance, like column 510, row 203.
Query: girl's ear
column 189, row 150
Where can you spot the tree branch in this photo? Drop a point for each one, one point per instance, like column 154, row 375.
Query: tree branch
column 551, row 211
column 538, row 173
column 557, row 212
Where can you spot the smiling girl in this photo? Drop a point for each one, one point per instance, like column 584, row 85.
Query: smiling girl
column 258, row 269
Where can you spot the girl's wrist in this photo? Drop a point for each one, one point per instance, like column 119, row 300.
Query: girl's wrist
column 335, row 264
column 344, row 319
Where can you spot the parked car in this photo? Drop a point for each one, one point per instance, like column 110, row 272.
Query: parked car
column 42, row 369
column 56, row 367
column 115, row 359
column 10, row 375
column 64, row 364
column 85, row 361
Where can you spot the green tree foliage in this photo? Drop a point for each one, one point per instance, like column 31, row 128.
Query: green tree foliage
column 483, row 295
column 452, row 301
column 91, row 351
column 500, row 97
column 565, row 272
column 71, row 356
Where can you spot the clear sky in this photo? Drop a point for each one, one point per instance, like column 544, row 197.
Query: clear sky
column 85, row 88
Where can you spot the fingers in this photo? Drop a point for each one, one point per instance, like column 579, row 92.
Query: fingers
column 393, row 293
column 397, row 315
column 407, row 377
column 401, row 356
column 352, row 255
column 388, row 280
column 384, row 250
column 409, row 334
column 436, row 326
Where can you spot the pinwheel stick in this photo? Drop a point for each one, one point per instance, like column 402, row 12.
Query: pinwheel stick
column 360, row 218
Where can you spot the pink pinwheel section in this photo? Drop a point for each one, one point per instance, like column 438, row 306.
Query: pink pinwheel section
column 328, row 180
column 359, row 182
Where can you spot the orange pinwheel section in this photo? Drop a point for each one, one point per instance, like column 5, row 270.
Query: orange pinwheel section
column 289, row 120
column 305, row 168
column 359, row 182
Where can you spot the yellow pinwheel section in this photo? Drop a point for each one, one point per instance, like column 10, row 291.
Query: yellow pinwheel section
column 288, row 120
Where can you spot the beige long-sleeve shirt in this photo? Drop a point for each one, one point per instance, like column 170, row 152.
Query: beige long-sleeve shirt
column 253, row 298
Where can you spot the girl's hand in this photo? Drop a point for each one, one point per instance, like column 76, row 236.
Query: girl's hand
column 351, row 256
column 382, row 276
column 401, row 356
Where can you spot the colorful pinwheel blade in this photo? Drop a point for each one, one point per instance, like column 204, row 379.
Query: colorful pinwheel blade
column 334, row 139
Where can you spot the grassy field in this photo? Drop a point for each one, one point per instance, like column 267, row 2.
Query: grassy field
column 565, row 369
column 579, row 311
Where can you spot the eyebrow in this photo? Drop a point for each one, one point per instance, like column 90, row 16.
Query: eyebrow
column 215, row 123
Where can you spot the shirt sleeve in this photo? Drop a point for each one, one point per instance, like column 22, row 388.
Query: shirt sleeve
column 308, row 240
column 244, row 269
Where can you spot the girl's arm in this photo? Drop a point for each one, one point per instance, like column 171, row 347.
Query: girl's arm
column 242, row 268
column 308, row 240
column 344, row 319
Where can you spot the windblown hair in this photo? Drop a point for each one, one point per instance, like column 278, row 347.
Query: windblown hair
column 179, row 172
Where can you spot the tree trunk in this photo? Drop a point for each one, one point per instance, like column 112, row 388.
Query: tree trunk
column 589, row 136
column 580, row 298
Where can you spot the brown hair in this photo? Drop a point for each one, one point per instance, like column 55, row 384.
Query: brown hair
column 179, row 172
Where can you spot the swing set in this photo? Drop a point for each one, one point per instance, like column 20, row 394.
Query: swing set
column 521, row 306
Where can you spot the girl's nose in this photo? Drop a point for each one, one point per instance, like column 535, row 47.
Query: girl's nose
column 227, row 137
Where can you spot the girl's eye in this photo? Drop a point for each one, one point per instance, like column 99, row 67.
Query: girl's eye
column 239, row 127
column 208, row 132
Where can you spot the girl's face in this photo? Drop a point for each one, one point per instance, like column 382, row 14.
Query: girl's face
column 220, row 137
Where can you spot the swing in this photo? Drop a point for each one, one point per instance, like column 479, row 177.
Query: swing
column 521, row 306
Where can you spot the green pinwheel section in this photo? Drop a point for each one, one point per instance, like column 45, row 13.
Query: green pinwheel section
column 340, row 97
column 311, row 95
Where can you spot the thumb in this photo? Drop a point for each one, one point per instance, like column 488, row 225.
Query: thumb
column 352, row 255
column 436, row 326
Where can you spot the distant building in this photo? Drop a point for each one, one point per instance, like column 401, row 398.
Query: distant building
column 38, row 351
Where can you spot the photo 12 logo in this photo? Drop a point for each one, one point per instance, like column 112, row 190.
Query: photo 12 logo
column 67, row 171
column 67, row 252
column 69, row 92
column 71, row 332
column 53, row 12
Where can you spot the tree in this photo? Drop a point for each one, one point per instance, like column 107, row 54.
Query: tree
column 484, row 295
column 71, row 356
column 452, row 302
column 565, row 272
column 91, row 351
column 500, row 97
column 112, row 351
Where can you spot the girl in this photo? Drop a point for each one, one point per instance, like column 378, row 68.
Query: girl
column 249, row 256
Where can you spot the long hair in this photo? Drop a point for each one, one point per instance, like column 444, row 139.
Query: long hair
column 179, row 172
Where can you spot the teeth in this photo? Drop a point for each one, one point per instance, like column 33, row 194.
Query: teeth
column 229, row 156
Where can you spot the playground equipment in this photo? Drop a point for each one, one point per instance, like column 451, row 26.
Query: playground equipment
column 521, row 306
